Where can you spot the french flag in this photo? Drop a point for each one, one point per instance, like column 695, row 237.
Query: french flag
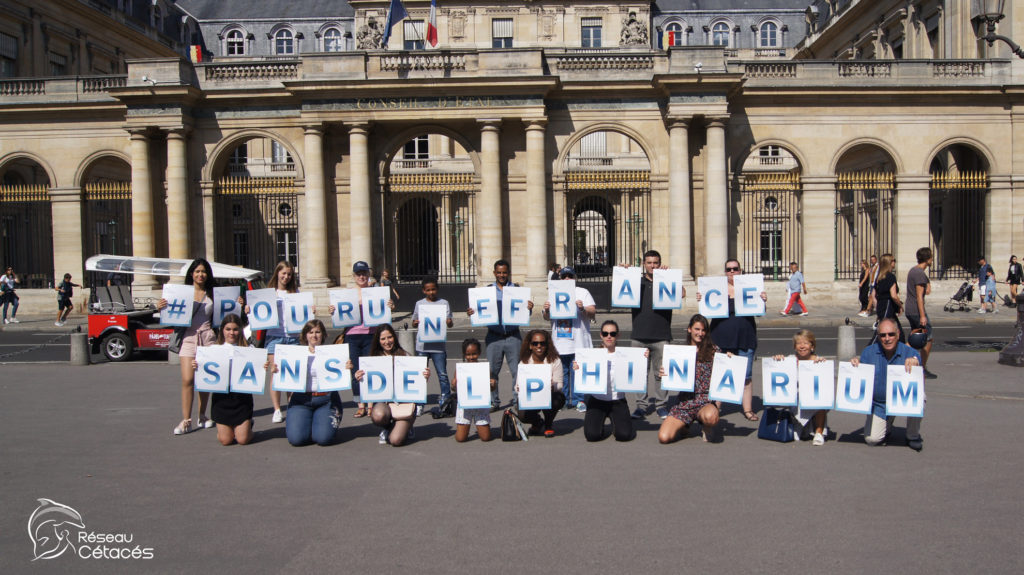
column 432, row 24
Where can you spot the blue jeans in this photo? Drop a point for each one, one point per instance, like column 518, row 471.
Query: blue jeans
column 358, row 346
column 440, row 359
column 275, row 340
column 498, row 348
column 10, row 298
column 569, row 380
column 747, row 353
column 309, row 420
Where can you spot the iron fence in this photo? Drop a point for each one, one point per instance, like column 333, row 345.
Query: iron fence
column 771, row 227
column 26, row 234
column 864, row 219
column 261, row 218
column 956, row 223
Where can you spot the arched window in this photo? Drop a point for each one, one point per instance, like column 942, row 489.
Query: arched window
column 769, row 36
column 284, row 42
column 333, row 41
column 720, row 34
column 674, row 34
column 235, row 43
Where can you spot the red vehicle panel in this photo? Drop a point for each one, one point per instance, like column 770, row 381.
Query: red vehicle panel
column 99, row 323
column 153, row 338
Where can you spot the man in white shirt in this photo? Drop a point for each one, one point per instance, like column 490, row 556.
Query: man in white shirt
column 572, row 334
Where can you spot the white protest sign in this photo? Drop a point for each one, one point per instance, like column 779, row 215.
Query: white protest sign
column 680, row 365
column 714, row 296
column 292, row 363
column 514, row 310
column 904, row 392
column 347, row 312
column 626, row 286
column 562, row 296
column 297, row 309
column 410, row 385
column 433, row 322
column 630, row 370
column 225, row 302
column 592, row 375
column 817, row 384
column 779, row 381
column 247, row 371
column 747, row 290
column 375, row 305
column 473, row 385
column 329, row 363
column 484, row 303
column 855, row 387
column 378, row 378
column 213, row 371
column 728, row 375
column 668, row 289
column 179, row 305
column 262, row 308
column 534, row 382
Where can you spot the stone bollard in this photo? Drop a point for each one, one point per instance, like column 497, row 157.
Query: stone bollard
column 79, row 349
column 172, row 358
column 847, row 346
column 407, row 339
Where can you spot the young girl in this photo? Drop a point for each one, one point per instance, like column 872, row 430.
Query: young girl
column 537, row 348
column 611, row 404
column 232, row 412
column 694, row 405
column 804, row 344
column 396, row 419
column 310, row 419
column 285, row 282
column 199, row 332
column 465, row 417
column 360, row 337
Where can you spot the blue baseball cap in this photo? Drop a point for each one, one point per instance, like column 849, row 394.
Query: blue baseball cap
column 567, row 271
column 360, row 267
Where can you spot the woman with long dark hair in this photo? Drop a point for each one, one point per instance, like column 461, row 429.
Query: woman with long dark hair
column 537, row 348
column 694, row 405
column 396, row 419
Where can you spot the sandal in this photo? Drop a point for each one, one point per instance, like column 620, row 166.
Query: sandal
column 361, row 412
column 184, row 427
column 751, row 416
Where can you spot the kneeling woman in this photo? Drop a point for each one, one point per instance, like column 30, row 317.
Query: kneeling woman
column 537, row 348
column 610, row 404
column 310, row 416
column 232, row 412
column 397, row 419
column 694, row 406
column 804, row 344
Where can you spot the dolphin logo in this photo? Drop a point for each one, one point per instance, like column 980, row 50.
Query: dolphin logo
column 48, row 527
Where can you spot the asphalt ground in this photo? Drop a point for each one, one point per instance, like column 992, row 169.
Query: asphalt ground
column 98, row 439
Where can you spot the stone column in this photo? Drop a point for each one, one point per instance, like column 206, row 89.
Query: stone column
column 488, row 205
column 178, row 245
column 911, row 227
column 717, row 198
column 817, row 226
column 66, row 211
column 999, row 221
column 209, row 233
column 360, row 240
column 679, row 208
column 537, row 223
column 143, row 239
column 314, row 250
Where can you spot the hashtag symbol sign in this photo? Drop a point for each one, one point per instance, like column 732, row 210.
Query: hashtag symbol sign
column 176, row 308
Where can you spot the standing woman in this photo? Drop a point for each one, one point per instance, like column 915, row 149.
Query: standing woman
column 864, row 287
column 360, row 337
column 198, row 333
column 232, row 411
column 396, row 418
column 694, row 405
column 1014, row 275
column 887, row 293
column 738, row 335
column 537, row 348
column 285, row 282
column 8, row 282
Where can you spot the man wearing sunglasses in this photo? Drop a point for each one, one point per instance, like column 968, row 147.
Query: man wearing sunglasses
column 888, row 350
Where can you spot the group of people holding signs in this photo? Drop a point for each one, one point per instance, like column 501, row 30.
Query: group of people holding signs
column 714, row 366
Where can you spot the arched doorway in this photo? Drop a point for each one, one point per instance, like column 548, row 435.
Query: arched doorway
column 428, row 200
column 26, row 222
column 257, row 203
column 593, row 236
column 865, row 215
column 956, row 211
column 107, row 208
column 770, row 227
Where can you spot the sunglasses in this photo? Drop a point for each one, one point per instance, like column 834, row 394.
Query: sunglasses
column 887, row 334
column 732, row 269
column 609, row 334
column 539, row 343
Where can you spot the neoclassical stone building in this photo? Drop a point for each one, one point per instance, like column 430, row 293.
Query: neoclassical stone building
column 578, row 132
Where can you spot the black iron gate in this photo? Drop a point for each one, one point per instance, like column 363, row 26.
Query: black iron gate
column 26, row 234
column 865, row 219
column 107, row 218
column 261, row 218
column 956, row 222
column 772, row 234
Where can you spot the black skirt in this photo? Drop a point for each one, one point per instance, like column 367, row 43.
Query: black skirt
column 231, row 409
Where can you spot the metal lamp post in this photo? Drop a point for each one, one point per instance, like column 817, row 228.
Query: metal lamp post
column 992, row 12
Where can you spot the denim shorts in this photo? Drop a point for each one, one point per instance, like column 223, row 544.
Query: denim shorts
column 747, row 353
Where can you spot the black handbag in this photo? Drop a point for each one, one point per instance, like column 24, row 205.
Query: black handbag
column 446, row 409
column 776, row 425
column 512, row 428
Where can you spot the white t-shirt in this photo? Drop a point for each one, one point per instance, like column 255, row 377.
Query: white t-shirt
column 572, row 334
column 610, row 395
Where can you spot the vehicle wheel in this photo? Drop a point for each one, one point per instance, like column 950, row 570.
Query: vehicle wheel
column 117, row 347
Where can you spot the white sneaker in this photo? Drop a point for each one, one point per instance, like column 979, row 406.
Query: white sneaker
column 6, row 321
column 383, row 439
column 14, row 320
column 419, row 410
column 205, row 422
column 57, row 323
column 819, row 439
column 982, row 310
column 278, row 416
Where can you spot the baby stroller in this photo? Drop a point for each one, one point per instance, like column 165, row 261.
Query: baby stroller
column 960, row 299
